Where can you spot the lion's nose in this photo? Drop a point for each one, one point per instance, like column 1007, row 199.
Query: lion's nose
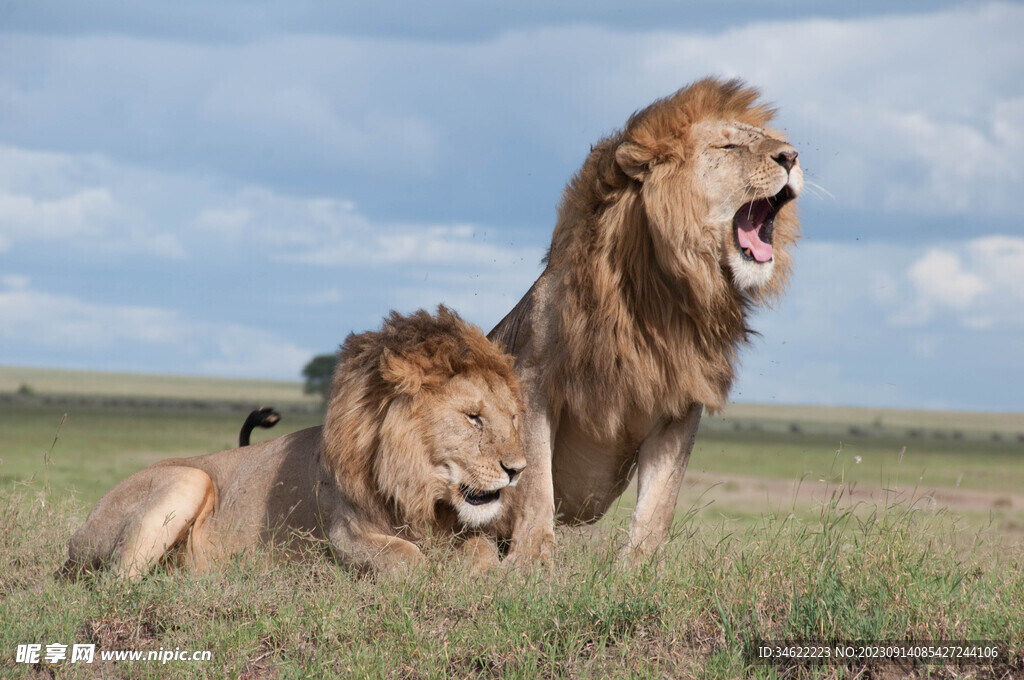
column 512, row 471
column 786, row 159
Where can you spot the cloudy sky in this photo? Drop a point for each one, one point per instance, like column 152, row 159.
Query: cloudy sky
column 231, row 188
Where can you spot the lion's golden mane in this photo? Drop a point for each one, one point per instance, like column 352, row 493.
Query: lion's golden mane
column 662, row 319
column 411, row 357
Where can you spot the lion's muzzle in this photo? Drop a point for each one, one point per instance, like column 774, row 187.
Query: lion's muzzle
column 754, row 222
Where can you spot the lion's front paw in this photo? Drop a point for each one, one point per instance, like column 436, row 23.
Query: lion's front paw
column 538, row 546
column 481, row 555
column 631, row 556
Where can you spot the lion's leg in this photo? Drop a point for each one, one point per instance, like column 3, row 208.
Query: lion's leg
column 131, row 524
column 533, row 534
column 201, row 550
column 178, row 498
column 588, row 477
column 370, row 550
column 481, row 552
column 660, row 468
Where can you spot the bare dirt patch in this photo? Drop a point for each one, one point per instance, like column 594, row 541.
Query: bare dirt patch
column 758, row 494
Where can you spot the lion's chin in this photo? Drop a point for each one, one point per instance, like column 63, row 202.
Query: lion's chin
column 477, row 508
column 748, row 274
column 751, row 258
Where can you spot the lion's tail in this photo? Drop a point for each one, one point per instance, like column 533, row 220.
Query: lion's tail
column 265, row 416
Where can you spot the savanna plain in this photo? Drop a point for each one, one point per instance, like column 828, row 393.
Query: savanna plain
column 795, row 524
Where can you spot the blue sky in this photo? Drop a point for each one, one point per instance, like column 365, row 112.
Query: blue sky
column 231, row 188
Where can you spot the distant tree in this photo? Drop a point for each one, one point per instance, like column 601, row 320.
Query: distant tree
column 318, row 374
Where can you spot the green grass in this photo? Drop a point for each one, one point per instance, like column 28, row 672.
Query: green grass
column 839, row 418
column 882, row 459
column 54, row 381
column 694, row 611
column 104, row 439
column 101, row 441
column 863, row 554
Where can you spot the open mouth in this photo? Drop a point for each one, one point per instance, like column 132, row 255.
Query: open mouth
column 475, row 497
column 754, row 223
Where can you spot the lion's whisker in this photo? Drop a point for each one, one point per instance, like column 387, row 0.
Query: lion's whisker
column 817, row 189
column 750, row 203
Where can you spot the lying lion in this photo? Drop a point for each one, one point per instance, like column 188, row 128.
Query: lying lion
column 420, row 438
column 673, row 230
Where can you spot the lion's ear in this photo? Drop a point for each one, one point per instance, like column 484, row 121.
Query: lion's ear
column 403, row 373
column 634, row 160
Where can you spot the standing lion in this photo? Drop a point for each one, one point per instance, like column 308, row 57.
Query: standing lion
column 420, row 438
column 671, row 232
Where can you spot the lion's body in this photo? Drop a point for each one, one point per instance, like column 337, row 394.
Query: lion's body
column 397, row 460
column 635, row 324
column 218, row 504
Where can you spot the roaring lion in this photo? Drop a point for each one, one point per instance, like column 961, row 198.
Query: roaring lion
column 420, row 439
column 675, row 227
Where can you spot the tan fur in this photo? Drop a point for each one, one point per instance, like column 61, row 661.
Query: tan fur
column 390, row 467
column 635, row 323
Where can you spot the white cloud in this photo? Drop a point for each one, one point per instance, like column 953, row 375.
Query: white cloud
column 246, row 351
column 313, row 117
column 421, row 244
column 253, row 159
column 978, row 282
column 228, row 223
column 875, row 324
column 80, row 215
column 903, row 112
column 999, row 259
column 329, row 232
column 74, row 325
column 14, row 281
column 920, row 112
column 80, row 203
column 266, row 224
column 66, row 321
column 962, row 162
column 279, row 225
column 939, row 277
column 322, row 297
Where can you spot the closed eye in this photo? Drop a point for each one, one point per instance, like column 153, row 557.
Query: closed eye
column 728, row 146
column 475, row 419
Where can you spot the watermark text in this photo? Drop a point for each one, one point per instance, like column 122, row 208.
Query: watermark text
column 56, row 653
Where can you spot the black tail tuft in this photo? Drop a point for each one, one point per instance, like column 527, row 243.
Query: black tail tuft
column 265, row 416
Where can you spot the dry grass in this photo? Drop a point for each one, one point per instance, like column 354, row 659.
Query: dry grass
column 842, row 417
column 51, row 381
column 888, row 574
column 843, row 565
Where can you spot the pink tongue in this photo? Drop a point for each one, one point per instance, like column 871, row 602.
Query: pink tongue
column 749, row 238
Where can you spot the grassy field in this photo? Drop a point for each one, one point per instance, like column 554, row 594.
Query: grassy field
column 50, row 381
column 794, row 523
column 101, row 441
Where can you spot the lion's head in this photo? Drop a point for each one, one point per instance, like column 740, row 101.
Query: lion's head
column 715, row 178
column 672, row 229
column 715, row 185
column 423, row 418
